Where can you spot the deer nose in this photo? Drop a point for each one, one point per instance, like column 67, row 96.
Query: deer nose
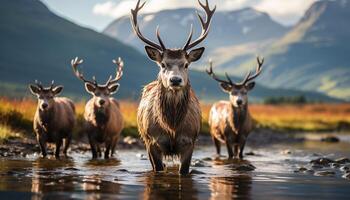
column 239, row 102
column 175, row 81
column 102, row 101
column 44, row 105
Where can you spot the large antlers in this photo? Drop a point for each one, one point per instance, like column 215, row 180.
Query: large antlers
column 258, row 70
column 205, row 26
column 75, row 63
column 247, row 78
column 136, row 28
column 119, row 72
column 212, row 74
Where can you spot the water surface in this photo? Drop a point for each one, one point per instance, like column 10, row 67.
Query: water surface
column 129, row 176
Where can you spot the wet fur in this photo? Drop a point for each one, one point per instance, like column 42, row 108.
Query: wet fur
column 169, row 122
column 55, row 124
column 231, row 126
column 103, row 126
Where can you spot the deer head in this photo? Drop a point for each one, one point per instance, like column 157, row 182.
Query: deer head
column 238, row 91
column 174, row 63
column 45, row 95
column 100, row 93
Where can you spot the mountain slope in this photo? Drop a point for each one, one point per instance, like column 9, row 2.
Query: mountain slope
column 314, row 54
column 37, row 44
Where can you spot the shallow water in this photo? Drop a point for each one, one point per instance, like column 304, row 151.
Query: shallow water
column 130, row 177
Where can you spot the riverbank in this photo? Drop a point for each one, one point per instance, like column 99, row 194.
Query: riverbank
column 24, row 146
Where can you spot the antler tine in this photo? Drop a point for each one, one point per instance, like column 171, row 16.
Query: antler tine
column 119, row 72
column 211, row 73
column 75, row 62
column 39, row 84
column 52, row 84
column 160, row 39
column 257, row 71
column 189, row 37
column 205, row 25
column 136, row 28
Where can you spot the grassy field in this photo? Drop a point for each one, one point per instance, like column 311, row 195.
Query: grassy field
column 16, row 117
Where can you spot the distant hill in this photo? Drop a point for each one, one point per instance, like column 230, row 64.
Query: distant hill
column 37, row 44
column 314, row 54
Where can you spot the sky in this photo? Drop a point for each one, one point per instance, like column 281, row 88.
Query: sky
column 97, row 14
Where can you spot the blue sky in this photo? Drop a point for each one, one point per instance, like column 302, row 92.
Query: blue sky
column 97, row 14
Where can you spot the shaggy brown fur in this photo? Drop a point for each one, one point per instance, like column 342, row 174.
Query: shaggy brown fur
column 55, row 124
column 169, row 122
column 230, row 125
column 103, row 125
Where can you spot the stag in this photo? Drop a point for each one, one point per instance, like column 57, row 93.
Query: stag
column 230, row 121
column 54, row 117
column 103, row 119
column 169, row 115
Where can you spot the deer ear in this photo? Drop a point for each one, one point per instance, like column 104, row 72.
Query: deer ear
column 90, row 88
column 34, row 89
column 195, row 54
column 113, row 88
column 154, row 54
column 57, row 90
column 226, row 87
column 250, row 86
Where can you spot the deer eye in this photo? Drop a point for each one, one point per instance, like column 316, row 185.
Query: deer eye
column 186, row 65
column 163, row 65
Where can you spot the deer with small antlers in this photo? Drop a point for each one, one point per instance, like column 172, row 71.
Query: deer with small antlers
column 230, row 121
column 54, row 117
column 103, row 118
column 169, row 115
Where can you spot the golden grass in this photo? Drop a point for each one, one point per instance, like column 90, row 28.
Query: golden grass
column 18, row 114
column 7, row 132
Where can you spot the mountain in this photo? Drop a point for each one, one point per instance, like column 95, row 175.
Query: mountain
column 227, row 27
column 37, row 44
column 314, row 54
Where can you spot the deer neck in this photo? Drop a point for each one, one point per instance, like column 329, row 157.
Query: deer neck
column 238, row 117
column 172, row 106
column 46, row 116
column 101, row 116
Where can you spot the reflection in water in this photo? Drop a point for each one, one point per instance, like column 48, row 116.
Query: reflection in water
column 44, row 171
column 128, row 178
column 231, row 187
column 234, row 185
column 169, row 185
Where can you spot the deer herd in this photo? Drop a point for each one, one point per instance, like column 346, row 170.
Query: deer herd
column 169, row 113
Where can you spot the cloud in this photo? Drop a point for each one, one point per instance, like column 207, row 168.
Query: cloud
column 284, row 11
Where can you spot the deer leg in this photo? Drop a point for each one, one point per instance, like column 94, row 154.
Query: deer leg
column 242, row 144
column 114, row 145
column 42, row 143
column 93, row 147
column 186, row 157
column 229, row 148
column 217, row 145
column 66, row 145
column 235, row 152
column 58, row 147
column 108, row 149
column 155, row 158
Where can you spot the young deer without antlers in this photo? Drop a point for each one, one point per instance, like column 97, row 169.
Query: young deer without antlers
column 230, row 121
column 54, row 117
column 103, row 119
column 169, row 115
